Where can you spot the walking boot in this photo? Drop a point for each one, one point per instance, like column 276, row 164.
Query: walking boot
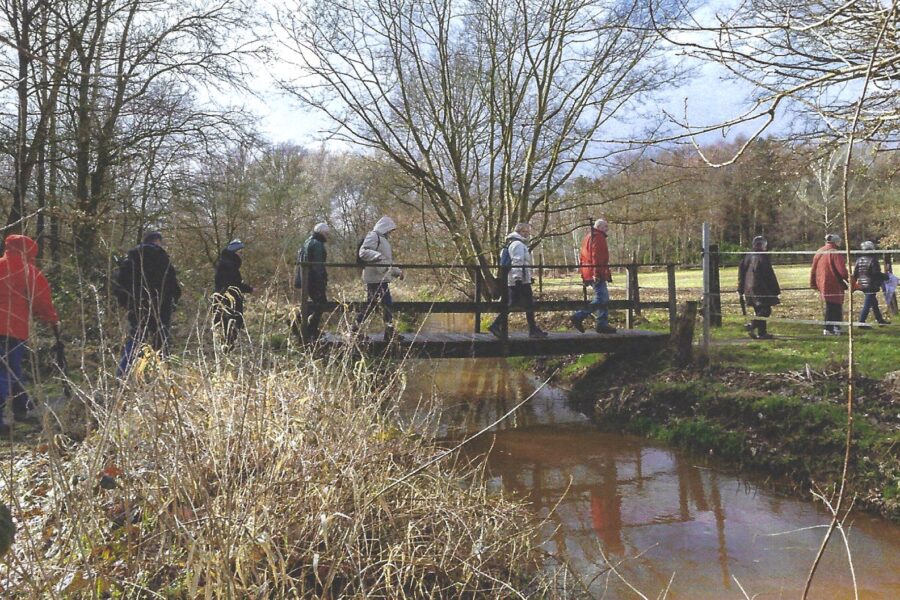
column 604, row 328
column 497, row 331
column 537, row 333
column 749, row 327
column 577, row 324
column 390, row 334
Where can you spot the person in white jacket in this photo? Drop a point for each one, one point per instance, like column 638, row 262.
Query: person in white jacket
column 518, row 279
column 375, row 252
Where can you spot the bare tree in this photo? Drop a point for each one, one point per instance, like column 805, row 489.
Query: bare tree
column 488, row 106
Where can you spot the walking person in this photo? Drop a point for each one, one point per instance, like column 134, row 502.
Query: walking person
column 228, row 298
column 313, row 251
column 870, row 279
column 518, row 280
column 595, row 272
column 759, row 285
column 24, row 294
column 379, row 271
column 147, row 287
column 829, row 276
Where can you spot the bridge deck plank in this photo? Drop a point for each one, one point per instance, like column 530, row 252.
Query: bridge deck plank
column 475, row 345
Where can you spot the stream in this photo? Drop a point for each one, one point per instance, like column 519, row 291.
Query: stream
column 656, row 513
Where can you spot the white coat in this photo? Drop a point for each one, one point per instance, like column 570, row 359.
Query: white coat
column 521, row 259
column 376, row 252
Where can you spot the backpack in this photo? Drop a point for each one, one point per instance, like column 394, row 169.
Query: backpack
column 359, row 246
column 505, row 260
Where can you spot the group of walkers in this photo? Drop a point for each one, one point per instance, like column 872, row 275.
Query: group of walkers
column 375, row 255
column 758, row 284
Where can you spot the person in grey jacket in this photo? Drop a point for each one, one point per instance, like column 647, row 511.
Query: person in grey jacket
column 518, row 280
column 379, row 271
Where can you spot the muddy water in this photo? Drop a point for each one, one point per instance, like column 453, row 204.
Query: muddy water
column 652, row 511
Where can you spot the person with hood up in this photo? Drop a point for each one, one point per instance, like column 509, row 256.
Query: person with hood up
column 870, row 279
column 375, row 253
column 228, row 299
column 595, row 272
column 759, row 285
column 518, row 280
column 829, row 276
column 147, row 287
column 313, row 251
column 24, row 294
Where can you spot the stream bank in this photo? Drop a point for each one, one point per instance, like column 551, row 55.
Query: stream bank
column 789, row 427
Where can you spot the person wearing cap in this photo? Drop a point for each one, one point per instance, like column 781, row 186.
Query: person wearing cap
column 868, row 276
column 829, row 276
column 24, row 295
column 595, row 272
column 313, row 251
column 228, row 299
column 759, row 285
column 518, row 282
column 147, row 287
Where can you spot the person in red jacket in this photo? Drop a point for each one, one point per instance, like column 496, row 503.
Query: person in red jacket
column 24, row 294
column 829, row 276
column 595, row 272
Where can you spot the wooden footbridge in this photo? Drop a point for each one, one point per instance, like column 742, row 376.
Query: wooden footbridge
column 478, row 344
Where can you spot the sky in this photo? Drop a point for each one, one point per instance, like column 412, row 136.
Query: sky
column 707, row 97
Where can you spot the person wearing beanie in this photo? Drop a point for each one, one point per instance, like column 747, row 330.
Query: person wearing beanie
column 759, row 285
column 228, row 298
column 595, row 272
column 829, row 276
column 24, row 295
column 518, row 282
column 868, row 276
column 146, row 285
column 313, row 251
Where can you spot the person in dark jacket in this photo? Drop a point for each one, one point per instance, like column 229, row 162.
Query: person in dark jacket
column 759, row 285
column 147, row 286
column 313, row 251
column 228, row 299
column 870, row 279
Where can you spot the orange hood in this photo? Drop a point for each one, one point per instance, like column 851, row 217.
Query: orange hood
column 22, row 245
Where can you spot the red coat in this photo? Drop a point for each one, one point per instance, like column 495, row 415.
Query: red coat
column 24, row 291
column 595, row 257
column 829, row 274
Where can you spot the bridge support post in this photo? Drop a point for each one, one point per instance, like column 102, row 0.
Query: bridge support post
column 715, row 290
column 478, row 294
column 673, row 307
column 630, row 293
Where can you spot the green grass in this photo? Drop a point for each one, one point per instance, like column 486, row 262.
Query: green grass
column 876, row 350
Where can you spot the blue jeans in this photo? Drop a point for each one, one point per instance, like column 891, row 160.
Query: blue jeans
column 870, row 304
column 600, row 305
column 12, row 351
column 147, row 330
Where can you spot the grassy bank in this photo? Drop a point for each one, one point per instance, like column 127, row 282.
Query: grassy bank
column 253, row 477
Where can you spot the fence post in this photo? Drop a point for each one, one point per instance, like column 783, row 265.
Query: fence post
column 706, row 279
column 636, row 288
column 304, row 300
column 673, row 306
column 478, row 283
column 629, row 296
column 715, row 290
column 541, row 273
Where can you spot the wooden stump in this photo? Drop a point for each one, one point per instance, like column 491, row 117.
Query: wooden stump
column 682, row 340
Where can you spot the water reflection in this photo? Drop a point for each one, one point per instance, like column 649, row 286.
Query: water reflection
column 630, row 499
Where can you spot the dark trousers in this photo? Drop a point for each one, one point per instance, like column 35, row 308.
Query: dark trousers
column 145, row 329
column 378, row 293
column 12, row 353
column 871, row 304
column 228, row 314
column 317, row 297
column 520, row 296
column 833, row 312
column 761, row 311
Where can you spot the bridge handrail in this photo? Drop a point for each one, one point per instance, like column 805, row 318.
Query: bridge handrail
column 465, row 266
